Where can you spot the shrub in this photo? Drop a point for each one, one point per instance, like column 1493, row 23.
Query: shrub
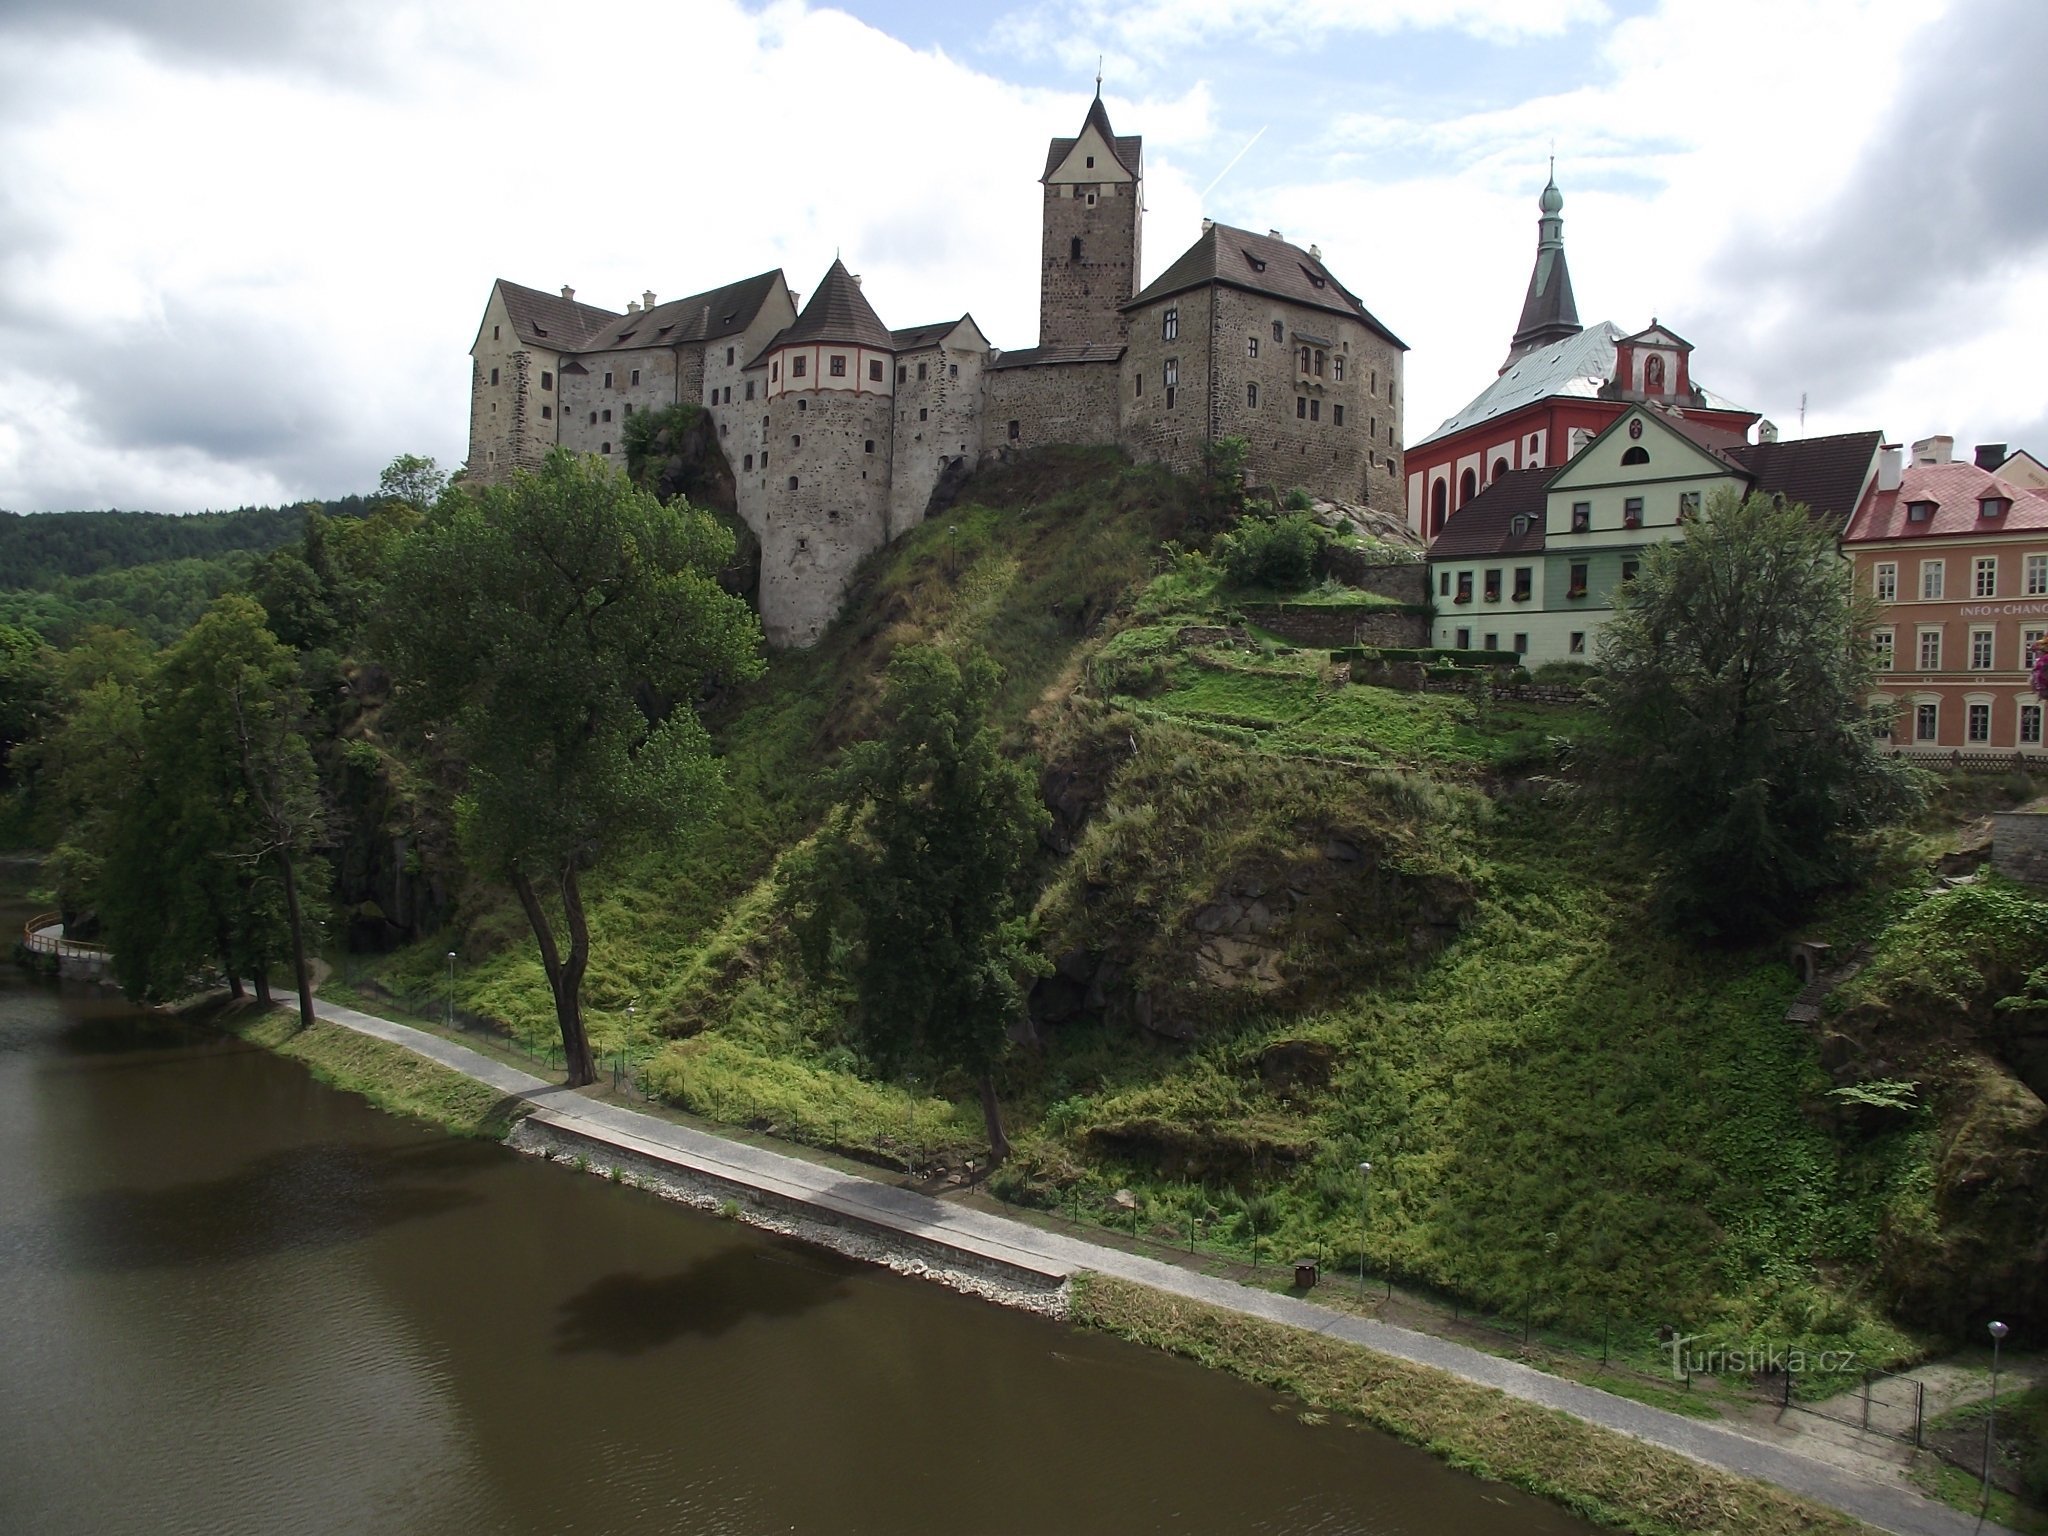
column 1277, row 552
column 1296, row 500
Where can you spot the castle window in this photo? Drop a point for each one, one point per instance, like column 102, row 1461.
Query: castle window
column 1301, row 407
column 874, row 370
column 1251, row 346
column 713, row 399
column 1170, row 393
column 748, row 462
column 1337, row 369
column 1091, row 197
column 494, row 333
column 796, row 440
column 764, row 458
column 629, row 410
column 635, row 376
column 1251, row 396
column 728, row 394
column 547, row 413
column 1138, row 384
column 1074, row 249
column 902, row 373
column 728, row 354
column 1304, row 359
column 605, row 415
column 1375, row 385
column 923, row 412
column 1279, row 332
column 801, row 543
column 1390, row 397
column 750, row 389
column 1016, row 430
column 869, row 447
column 494, row 375
column 1091, row 162
column 774, row 371
column 792, row 482
column 547, row 380
column 1169, row 325
column 1171, row 373
column 607, row 380
column 1315, row 410
column 832, row 515
column 924, row 371
column 593, row 418
column 952, row 370
column 606, row 448
column 1636, row 455
column 1337, row 415
column 803, row 405
column 798, row 366
column 1319, row 362
column 838, row 369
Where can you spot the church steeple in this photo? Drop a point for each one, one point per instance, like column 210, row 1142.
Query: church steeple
column 1549, row 313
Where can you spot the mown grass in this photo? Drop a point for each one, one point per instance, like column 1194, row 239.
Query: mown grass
column 1605, row 1477
column 389, row 1076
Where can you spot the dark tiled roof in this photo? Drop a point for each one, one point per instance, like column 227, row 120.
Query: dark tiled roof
column 711, row 316
column 1485, row 525
column 1237, row 258
column 1130, row 152
column 916, row 338
column 1070, row 352
column 551, row 320
column 840, row 312
column 1955, row 489
column 1826, row 474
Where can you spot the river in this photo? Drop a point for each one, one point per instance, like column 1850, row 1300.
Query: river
column 235, row 1301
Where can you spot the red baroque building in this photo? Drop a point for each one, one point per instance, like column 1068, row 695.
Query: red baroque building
column 1957, row 558
column 1560, row 387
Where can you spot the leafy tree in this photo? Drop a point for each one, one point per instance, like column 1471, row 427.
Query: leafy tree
column 209, row 848
column 1276, row 552
column 1738, row 665
column 526, row 621
column 412, row 480
column 913, row 893
column 25, row 692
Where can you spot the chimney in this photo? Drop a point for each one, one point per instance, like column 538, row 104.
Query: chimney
column 632, row 306
column 1315, row 253
column 568, row 292
column 856, row 278
column 1274, row 234
column 647, row 299
column 1767, row 431
column 1991, row 455
column 1207, row 225
column 1891, row 467
column 1938, row 449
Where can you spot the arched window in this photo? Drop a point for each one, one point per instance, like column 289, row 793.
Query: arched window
column 1251, row 396
column 1306, row 359
column 1500, row 467
column 1468, row 487
column 1438, row 494
column 1636, row 455
column 1074, row 249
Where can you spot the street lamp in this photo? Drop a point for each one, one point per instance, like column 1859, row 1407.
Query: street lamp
column 1364, row 1212
column 451, row 989
column 1998, row 1333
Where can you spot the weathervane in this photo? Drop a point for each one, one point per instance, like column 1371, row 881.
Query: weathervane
column 1098, row 77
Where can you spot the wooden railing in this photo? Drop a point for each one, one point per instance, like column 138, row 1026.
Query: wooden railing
column 44, row 935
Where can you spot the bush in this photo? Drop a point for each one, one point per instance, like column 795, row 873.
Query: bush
column 1296, row 500
column 1572, row 672
column 1276, row 552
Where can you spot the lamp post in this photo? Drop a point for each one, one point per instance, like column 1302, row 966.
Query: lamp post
column 1364, row 1213
column 451, row 989
column 1998, row 1333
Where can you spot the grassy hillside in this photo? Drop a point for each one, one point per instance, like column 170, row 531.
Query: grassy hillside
column 1297, row 923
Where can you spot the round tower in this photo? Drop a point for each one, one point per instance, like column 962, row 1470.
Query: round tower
column 830, row 404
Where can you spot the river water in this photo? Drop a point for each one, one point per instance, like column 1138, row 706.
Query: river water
column 235, row 1301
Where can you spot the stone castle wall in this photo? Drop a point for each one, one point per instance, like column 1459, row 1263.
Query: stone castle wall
column 2019, row 845
column 1078, row 301
column 1049, row 403
column 938, row 421
column 1168, row 423
column 822, row 506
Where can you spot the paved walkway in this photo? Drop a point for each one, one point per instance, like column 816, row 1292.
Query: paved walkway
column 1056, row 1256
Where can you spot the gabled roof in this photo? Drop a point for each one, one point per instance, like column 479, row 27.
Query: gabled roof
column 839, row 312
column 1237, row 258
column 1656, row 333
column 1129, row 152
column 919, row 338
column 710, row 316
column 1826, row 474
column 1485, row 525
column 1061, row 352
column 549, row 320
column 1956, row 489
column 1575, row 367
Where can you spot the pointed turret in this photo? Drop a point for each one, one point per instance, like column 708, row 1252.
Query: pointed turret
column 1549, row 313
column 838, row 311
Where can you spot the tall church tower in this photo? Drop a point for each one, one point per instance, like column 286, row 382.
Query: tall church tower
column 1549, row 313
column 1094, row 200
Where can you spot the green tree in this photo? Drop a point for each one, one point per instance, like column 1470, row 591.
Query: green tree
column 413, row 480
column 26, row 690
column 914, row 892
column 529, row 621
column 209, row 848
column 1739, row 740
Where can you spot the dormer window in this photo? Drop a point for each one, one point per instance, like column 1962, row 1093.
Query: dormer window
column 1253, row 262
column 1993, row 506
column 1519, row 523
column 1920, row 511
column 1315, row 278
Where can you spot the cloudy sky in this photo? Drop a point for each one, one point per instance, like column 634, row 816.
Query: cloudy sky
column 244, row 244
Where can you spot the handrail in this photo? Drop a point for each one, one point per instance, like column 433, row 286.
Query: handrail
column 35, row 934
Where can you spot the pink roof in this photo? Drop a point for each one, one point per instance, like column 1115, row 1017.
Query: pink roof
column 1955, row 489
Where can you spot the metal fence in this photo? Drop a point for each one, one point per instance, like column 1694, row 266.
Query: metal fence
column 1885, row 1404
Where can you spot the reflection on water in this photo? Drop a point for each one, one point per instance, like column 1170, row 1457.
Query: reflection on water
column 232, row 1300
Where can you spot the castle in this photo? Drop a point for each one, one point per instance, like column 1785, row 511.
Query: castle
column 840, row 430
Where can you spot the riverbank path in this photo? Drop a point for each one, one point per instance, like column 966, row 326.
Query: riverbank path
column 987, row 1237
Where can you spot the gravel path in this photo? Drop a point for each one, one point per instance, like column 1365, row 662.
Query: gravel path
column 1021, row 1265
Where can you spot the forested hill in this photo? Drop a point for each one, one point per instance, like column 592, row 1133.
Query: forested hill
column 38, row 550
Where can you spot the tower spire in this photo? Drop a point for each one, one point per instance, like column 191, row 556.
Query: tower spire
column 1098, row 77
column 1549, row 312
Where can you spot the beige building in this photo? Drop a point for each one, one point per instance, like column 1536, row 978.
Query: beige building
column 842, row 434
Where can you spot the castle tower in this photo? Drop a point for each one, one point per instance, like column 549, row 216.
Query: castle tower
column 1549, row 313
column 820, row 502
column 1094, row 201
